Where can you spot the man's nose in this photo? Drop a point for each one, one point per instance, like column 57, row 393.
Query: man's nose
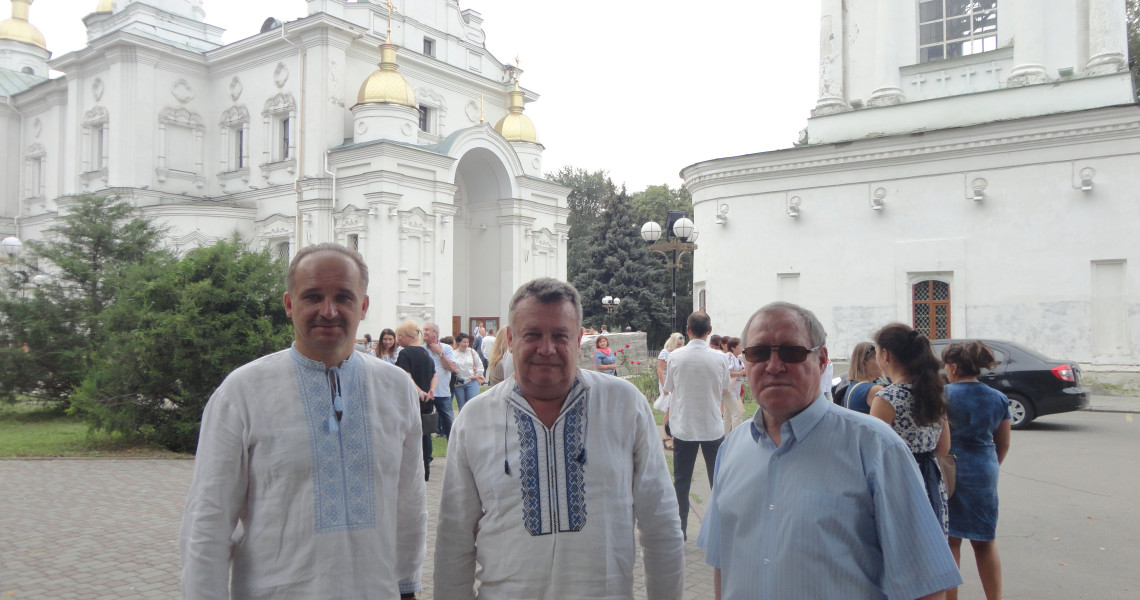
column 775, row 365
column 329, row 308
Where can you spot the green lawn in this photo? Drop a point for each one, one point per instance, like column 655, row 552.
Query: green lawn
column 30, row 430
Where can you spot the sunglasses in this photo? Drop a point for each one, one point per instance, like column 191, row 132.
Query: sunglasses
column 788, row 354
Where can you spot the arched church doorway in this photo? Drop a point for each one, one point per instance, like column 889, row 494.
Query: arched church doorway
column 483, row 246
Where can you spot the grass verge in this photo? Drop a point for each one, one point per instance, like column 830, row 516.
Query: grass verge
column 30, row 430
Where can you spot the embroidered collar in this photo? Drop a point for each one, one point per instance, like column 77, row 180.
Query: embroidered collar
column 578, row 392
column 309, row 363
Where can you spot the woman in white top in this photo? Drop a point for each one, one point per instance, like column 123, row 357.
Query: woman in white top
column 386, row 348
column 675, row 341
column 499, row 365
column 470, row 372
column 733, row 400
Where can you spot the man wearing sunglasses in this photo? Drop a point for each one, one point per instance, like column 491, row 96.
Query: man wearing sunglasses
column 695, row 380
column 813, row 500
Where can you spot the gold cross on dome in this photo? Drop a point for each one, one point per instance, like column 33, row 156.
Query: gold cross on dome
column 391, row 9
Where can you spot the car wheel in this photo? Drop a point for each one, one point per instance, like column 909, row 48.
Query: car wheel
column 1020, row 412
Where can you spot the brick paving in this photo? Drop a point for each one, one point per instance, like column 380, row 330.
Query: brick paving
column 91, row 529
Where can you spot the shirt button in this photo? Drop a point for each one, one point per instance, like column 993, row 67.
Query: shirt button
column 771, row 507
column 765, row 561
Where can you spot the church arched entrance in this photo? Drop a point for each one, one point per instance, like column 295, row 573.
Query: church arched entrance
column 484, row 250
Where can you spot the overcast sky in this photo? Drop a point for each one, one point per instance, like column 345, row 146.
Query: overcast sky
column 640, row 89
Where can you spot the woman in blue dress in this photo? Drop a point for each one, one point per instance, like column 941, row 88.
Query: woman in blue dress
column 980, row 440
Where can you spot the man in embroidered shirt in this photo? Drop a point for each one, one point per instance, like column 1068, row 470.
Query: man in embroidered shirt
column 813, row 500
column 696, row 378
column 308, row 481
column 549, row 472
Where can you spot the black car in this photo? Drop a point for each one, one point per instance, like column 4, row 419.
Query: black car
column 1036, row 385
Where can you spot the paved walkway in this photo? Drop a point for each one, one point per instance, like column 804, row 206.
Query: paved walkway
column 91, row 529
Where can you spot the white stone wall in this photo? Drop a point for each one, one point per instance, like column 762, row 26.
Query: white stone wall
column 1019, row 261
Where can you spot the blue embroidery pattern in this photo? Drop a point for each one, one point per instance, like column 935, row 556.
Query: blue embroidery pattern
column 528, row 471
column 343, row 486
column 552, row 471
column 574, row 441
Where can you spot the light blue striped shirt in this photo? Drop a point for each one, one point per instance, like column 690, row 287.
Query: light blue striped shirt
column 837, row 511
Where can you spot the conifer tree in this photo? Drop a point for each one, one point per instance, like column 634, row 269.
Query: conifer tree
column 616, row 266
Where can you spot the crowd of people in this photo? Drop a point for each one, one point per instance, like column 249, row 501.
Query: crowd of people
column 309, row 479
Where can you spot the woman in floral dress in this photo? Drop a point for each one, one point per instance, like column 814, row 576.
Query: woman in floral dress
column 913, row 405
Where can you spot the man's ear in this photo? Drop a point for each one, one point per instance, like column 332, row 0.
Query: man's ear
column 823, row 357
column 288, row 305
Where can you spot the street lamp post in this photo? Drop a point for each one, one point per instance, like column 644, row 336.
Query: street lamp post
column 685, row 233
column 611, row 304
column 10, row 246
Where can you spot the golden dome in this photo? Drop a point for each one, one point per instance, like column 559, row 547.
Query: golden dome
column 105, row 6
column 18, row 28
column 385, row 85
column 517, row 127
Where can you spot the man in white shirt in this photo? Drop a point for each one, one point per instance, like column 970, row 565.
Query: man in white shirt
column 443, row 355
column 313, row 454
column 548, row 474
column 695, row 379
column 488, row 344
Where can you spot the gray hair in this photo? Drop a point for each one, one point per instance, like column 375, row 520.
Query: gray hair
column 327, row 247
column 811, row 323
column 546, row 290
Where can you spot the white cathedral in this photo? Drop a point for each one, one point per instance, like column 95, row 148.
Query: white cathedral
column 391, row 131
column 971, row 168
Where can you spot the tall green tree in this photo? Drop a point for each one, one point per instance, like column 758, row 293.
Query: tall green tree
column 175, row 335
column 616, row 266
column 52, row 310
column 653, row 204
column 588, row 193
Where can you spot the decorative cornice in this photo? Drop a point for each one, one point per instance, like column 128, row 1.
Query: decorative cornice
column 901, row 150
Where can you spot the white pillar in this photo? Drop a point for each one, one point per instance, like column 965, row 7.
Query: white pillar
column 1107, row 37
column 890, row 24
column 832, row 96
column 1029, row 44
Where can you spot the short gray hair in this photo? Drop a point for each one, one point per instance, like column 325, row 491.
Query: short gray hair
column 327, row 247
column 546, row 290
column 811, row 323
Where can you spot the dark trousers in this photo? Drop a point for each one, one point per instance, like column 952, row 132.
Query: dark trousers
column 443, row 407
column 684, row 458
column 427, row 456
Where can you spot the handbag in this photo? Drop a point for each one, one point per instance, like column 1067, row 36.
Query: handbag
column 429, row 422
column 455, row 381
column 949, row 466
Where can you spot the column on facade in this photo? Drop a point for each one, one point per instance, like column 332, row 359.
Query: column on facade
column 890, row 21
column 832, row 95
column 1107, row 37
column 1029, row 44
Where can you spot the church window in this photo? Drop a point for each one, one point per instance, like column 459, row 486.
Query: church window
column 280, row 129
column 283, row 252
column 181, row 147
column 931, row 305
column 429, row 47
column 426, row 119
column 95, row 129
column 952, row 28
column 354, row 241
column 283, row 143
column 34, row 171
column 28, row 70
column 239, row 148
